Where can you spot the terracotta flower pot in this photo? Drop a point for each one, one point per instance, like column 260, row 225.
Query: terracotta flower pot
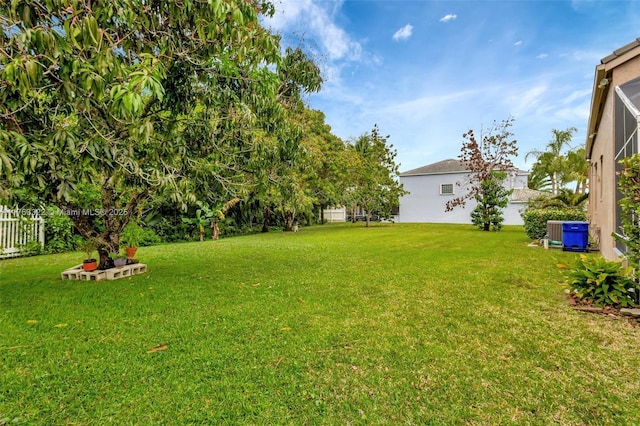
column 90, row 265
column 131, row 251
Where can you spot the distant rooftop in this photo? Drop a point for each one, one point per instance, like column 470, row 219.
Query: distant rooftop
column 444, row 166
column 524, row 195
column 441, row 167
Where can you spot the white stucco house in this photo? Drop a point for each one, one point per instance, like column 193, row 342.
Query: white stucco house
column 431, row 186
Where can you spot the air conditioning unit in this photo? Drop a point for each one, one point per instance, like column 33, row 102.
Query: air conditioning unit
column 554, row 230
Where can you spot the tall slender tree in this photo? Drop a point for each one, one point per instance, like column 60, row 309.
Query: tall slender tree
column 491, row 153
column 375, row 187
column 494, row 197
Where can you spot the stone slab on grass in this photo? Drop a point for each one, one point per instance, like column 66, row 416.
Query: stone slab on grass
column 633, row 312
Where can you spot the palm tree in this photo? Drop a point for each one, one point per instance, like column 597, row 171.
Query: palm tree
column 578, row 169
column 566, row 199
column 552, row 162
column 538, row 179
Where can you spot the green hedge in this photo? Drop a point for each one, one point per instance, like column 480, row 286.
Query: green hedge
column 535, row 220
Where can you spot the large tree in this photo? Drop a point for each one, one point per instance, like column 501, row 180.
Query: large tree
column 491, row 153
column 329, row 159
column 104, row 103
column 374, row 176
column 283, row 163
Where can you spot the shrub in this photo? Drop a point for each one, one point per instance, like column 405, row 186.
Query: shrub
column 31, row 248
column 629, row 187
column 535, row 220
column 58, row 232
column 148, row 237
column 602, row 282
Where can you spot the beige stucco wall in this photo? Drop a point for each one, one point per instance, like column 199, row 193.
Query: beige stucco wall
column 602, row 180
column 601, row 212
column 626, row 72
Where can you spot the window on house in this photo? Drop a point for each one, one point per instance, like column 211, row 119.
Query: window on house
column 627, row 124
column 446, row 189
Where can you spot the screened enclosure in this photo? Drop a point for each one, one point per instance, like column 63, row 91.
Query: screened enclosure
column 627, row 128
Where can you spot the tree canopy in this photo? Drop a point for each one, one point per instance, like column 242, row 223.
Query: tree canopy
column 105, row 103
column 109, row 107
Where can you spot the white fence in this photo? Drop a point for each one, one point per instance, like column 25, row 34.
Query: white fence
column 338, row 214
column 19, row 227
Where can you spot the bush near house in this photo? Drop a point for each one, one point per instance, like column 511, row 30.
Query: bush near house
column 594, row 279
column 629, row 187
column 535, row 220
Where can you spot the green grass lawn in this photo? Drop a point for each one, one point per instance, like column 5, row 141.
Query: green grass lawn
column 395, row 324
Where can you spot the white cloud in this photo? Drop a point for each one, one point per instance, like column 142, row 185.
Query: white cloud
column 449, row 17
column 577, row 95
column 319, row 23
column 523, row 101
column 542, row 56
column 403, row 33
column 428, row 103
column 582, row 5
column 590, row 56
column 518, row 43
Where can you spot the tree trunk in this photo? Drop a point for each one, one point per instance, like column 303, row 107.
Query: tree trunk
column 267, row 217
column 215, row 230
column 368, row 216
column 288, row 221
column 105, row 261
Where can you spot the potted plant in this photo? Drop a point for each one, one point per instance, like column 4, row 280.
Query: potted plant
column 88, row 246
column 118, row 260
column 131, row 236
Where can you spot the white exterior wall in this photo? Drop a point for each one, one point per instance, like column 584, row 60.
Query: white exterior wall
column 518, row 181
column 512, row 213
column 425, row 204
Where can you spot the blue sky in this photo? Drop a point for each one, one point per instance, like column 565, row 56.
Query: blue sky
column 427, row 71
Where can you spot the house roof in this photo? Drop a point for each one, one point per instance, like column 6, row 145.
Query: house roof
column 621, row 51
column 443, row 167
column 524, row 195
column 601, row 86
